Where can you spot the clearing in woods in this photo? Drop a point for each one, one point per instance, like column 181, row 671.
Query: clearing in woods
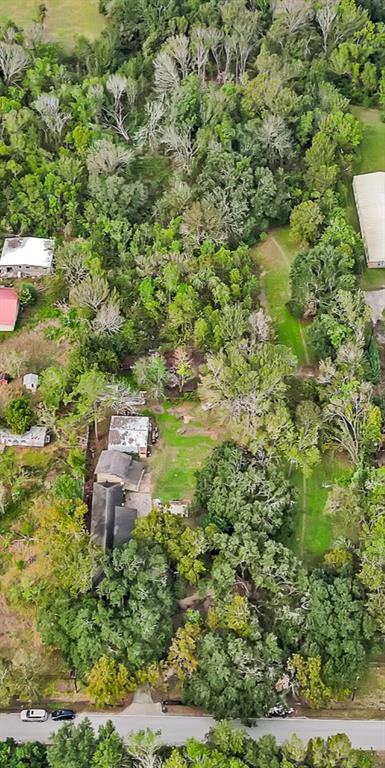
column 65, row 21
column 275, row 257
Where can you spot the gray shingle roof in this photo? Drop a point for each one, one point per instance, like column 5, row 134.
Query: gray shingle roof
column 120, row 466
column 111, row 522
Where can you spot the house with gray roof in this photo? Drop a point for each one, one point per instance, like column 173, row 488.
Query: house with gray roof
column 112, row 523
column 117, row 467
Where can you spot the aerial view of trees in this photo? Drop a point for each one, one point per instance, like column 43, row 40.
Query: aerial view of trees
column 158, row 157
column 80, row 747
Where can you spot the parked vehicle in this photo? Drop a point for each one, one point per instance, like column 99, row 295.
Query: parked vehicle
column 63, row 714
column 33, row 715
column 168, row 702
column 279, row 711
column 154, row 433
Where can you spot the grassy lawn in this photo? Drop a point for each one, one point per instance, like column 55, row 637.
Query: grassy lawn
column 187, row 436
column 66, row 19
column 313, row 530
column 275, row 257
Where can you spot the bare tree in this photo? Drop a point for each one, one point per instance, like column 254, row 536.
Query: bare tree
column 105, row 157
column 142, row 748
column 92, row 292
column 200, row 44
column 149, row 132
column 260, row 326
column 275, row 136
column 215, row 40
column 325, row 16
column 178, row 48
column 14, row 61
column 166, row 75
column 35, row 34
column 70, row 261
column 245, row 36
column 180, row 145
column 124, row 92
column 108, row 320
column 48, row 107
column 119, row 396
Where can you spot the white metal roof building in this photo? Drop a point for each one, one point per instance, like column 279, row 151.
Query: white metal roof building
column 31, row 381
column 36, row 437
column 129, row 434
column 369, row 194
column 26, row 256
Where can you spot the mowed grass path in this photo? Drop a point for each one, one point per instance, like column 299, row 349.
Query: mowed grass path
column 275, row 257
column 313, row 530
column 66, row 19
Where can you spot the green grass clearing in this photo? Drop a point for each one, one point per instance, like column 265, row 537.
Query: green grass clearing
column 275, row 257
column 187, row 437
column 66, row 19
column 313, row 530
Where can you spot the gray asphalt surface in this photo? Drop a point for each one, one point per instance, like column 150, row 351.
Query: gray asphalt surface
column 364, row 734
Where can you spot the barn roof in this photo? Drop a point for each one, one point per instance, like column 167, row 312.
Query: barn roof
column 9, row 306
column 369, row 193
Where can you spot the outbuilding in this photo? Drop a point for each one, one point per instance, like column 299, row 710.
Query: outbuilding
column 36, row 437
column 31, row 381
column 129, row 434
column 369, row 194
column 26, row 257
column 9, row 308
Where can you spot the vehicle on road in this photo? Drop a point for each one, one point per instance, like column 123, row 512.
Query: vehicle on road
column 279, row 711
column 169, row 703
column 33, row 715
column 63, row 714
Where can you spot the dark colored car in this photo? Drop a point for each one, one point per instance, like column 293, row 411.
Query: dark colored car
column 169, row 702
column 63, row 714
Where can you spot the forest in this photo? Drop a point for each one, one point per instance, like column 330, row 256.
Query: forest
column 224, row 746
column 158, row 157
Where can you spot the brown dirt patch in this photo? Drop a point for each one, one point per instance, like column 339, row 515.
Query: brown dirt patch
column 182, row 412
column 41, row 351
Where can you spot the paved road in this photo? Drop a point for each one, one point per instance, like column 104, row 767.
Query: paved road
column 366, row 734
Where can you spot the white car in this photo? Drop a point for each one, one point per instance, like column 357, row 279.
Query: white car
column 33, row 715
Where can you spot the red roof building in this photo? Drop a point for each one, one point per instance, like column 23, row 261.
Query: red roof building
column 9, row 308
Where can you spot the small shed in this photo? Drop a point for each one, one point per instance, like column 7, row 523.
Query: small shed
column 129, row 434
column 31, row 381
column 26, row 257
column 9, row 308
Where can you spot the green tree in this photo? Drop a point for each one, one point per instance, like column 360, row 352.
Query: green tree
column 19, row 414
column 72, row 746
column 305, row 222
column 108, row 682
